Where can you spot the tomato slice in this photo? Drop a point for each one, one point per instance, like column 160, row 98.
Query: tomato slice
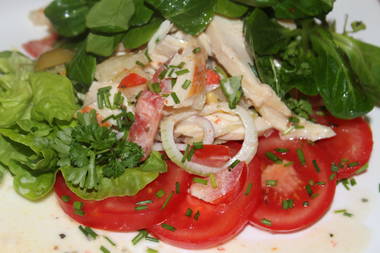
column 212, row 77
column 297, row 186
column 212, row 155
column 210, row 225
column 351, row 147
column 132, row 80
column 119, row 213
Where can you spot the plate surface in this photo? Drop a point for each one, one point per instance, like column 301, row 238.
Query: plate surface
column 27, row 227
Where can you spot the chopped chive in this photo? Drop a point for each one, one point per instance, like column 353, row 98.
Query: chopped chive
column 189, row 212
column 118, row 100
column 213, row 182
column 345, row 183
column 309, row 190
column 315, row 164
column 301, row 156
column 334, row 168
column 150, row 250
column 248, row 190
column 175, row 97
column 177, row 187
column 287, row 204
column 140, row 64
column 320, row 113
column 299, row 127
column 144, row 202
column 182, row 72
column 152, row 239
column 171, row 73
column 104, row 249
column 306, row 204
column 281, row 150
column 271, row 182
column 288, row 164
column 320, row 183
column 196, row 215
column 154, row 87
column 234, row 164
column 167, row 200
column 142, row 234
column 198, row 145
column 191, row 153
column 139, row 208
column 353, row 182
column 271, row 156
column 181, row 65
column 186, row 153
column 163, row 74
column 266, row 222
column 362, row 169
column 344, row 212
column 311, row 182
column 173, row 82
column 109, row 240
column 88, row 232
column 65, row 198
column 77, row 205
column 103, row 97
column 294, row 120
column 196, row 50
column 168, row 227
column 348, row 214
column 147, row 56
column 186, row 84
column 353, row 164
column 340, row 211
column 200, row 180
column 332, row 176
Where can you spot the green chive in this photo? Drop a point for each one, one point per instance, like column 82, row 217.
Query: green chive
column 168, row 227
column 104, row 249
column 186, row 153
column 234, row 164
column 154, row 87
column 288, row 164
column 198, row 145
column 77, row 205
column 315, row 164
column 109, row 240
column 353, row 164
column 287, row 204
column 175, row 98
column 150, row 250
column 273, row 157
column 271, row 182
column 248, row 190
column 281, row 150
column 144, row 202
column 306, row 204
column 186, row 84
column 266, row 222
column 196, row 50
column 182, row 72
column 200, row 180
column 170, row 74
column 88, row 232
column 332, row 176
column 140, row 64
column 301, row 156
column 173, row 82
column 142, row 234
column 294, row 120
column 334, row 168
column 196, row 215
column 139, row 208
column 177, row 187
column 65, row 198
column 147, row 55
column 160, row 193
column 152, row 239
column 352, row 181
column 163, row 74
column 167, row 200
column 118, row 100
column 189, row 212
column 362, row 169
column 309, row 190
column 213, row 182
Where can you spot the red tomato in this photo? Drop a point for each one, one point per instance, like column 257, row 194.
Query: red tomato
column 132, row 80
column 37, row 47
column 119, row 213
column 295, row 195
column 212, row 155
column 351, row 147
column 210, row 225
column 212, row 77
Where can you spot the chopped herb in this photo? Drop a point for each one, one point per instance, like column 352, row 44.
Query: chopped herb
column 147, row 56
column 142, row 234
column 168, row 227
column 306, row 204
column 352, row 181
column 198, row 145
column 271, row 156
column 163, row 74
column 248, row 190
column 196, row 215
column 266, row 222
column 182, row 72
column 353, row 164
column 139, row 208
column 309, row 190
column 103, row 97
column 196, row 50
column 167, row 200
column 189, row 212
column 170, row 74
column 186, row 154
column 140, row 64
column 150, row 250
column 200, row 180
column 344, row 212
column 320, row 183
column 294, row 120
column 301, row 156
column 232, row 90
column 362, row 169
column 213, row 182
column 287, row 204
column 334, row 167
column 332, row 176
column 175, row 98
column 65, row 198
column 154, row 87
column 109, row 240
column 118, row 100
column 104, row 249
column 270, row 182
column 88, row 232
column 315, row 164
column 160, row 193
column 288, row 164
column 144, row 202
column 173, row 82
column 152, row 239
column 177, row 187
column 77, row 205
column 234, row 164
column 281, row 150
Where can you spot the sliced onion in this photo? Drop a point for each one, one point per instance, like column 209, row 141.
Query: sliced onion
column 245, row 154
column 208, row 128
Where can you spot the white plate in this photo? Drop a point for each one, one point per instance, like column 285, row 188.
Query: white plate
column 27, row 227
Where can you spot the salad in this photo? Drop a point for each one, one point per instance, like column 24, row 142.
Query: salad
column 174, row 132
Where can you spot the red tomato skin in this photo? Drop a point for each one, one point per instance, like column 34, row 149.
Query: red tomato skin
column 132, row 80
column 212, row 77
column 37, row 47
column 353, row 141
column 298, row 217
column 118, row 213
column 216, row 224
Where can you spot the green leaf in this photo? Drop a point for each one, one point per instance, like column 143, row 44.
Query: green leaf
column 142, row 14
column 82, row 67
column 191, row 16
column 230, row 9
column 265, row 36
column 290, row 9
column 365, row 62
column 342, row 94
column 138, row 36
column 154, row 163
column 110, row 16
column 258, row 3
column 68, row 16
column 231, row 88
column 47, row 104
column 2, row 172
column 103, row 45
